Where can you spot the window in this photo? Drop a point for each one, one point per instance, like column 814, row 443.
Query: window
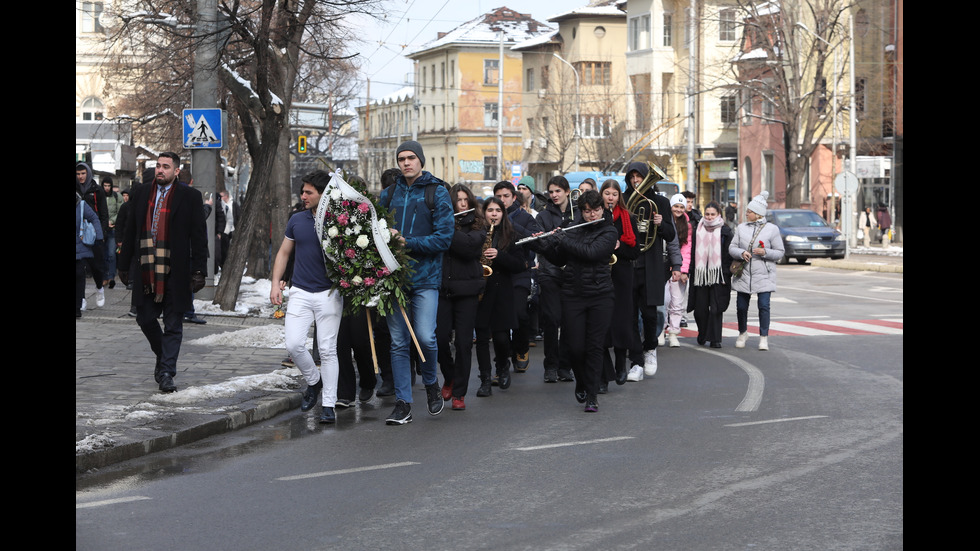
column 594, row 126
column 544, row 76
column 529, row 80
column 668, row 29
column 452, row 72
column 490, row 114
column 442, row 74
column 729, row 110
column 594, row 72
column 767, row 109
column 433, row 76
column 491, row 71
column 92, row 110
column 860, row 95
column 91, row 11
column 423, row 78
column 490, row 168
column 544, row 127
column 726, row 25
column 639, row 33
column 769, row 173
column 747, row 108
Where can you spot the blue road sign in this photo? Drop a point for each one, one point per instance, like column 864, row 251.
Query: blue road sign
column 202, row 129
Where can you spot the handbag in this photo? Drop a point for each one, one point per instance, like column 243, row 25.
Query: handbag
column 739, row 265
column 87, row 230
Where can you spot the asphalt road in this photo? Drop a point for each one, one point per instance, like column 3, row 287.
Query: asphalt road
column 800, row 447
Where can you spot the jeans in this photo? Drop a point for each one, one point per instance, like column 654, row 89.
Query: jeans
column 742, row 312
column 110, row 254
column 422, row 310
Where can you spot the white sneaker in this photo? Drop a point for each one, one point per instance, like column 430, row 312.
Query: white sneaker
column 660, row 340
column 650, row 363
column 635, row 374
column 84, row 303
column 100, row 297
column 741, row 340
column 672, row 341
column 763, row 343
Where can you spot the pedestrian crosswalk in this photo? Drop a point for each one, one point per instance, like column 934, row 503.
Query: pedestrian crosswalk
column 813, row 328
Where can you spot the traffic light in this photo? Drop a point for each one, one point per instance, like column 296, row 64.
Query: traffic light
column 301, row 144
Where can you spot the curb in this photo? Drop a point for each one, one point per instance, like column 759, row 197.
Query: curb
column 858, row 266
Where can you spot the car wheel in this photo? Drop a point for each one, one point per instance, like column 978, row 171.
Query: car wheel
column 784, row 260
column 800, row 260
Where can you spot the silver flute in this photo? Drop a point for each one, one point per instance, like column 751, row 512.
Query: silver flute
column 535, row 237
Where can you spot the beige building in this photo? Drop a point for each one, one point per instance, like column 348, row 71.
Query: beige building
column 459, row 80
column 660, row 65
column 575, row 93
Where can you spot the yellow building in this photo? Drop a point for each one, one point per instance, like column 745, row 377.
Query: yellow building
column 575, row 91
column 466, row 81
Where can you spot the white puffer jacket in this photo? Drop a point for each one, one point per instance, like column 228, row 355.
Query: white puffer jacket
column 759, row 275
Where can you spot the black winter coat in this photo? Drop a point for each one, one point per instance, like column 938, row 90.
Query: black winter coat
column 496, row 309
column 584, row 254
column 462, row 273
column 548, row 219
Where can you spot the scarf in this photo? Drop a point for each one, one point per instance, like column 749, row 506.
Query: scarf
column 707, row 254
column 155, row 254
column 628, row 238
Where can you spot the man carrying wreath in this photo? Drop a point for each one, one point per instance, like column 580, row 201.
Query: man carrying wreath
column 426, row 229
column 310, row 300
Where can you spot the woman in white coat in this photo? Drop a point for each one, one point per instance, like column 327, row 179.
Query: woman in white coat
column 759, row 245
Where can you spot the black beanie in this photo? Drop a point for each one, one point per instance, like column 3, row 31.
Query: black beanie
column 414, row 147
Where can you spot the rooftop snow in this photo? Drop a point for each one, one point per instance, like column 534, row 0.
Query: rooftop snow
column 485, row 29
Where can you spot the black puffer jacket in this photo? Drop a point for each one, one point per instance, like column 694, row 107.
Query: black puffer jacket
column 584, row 254
column 462, row 274
column 548, row 219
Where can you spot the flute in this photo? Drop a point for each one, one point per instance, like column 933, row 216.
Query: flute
column 464, row 212
column 534, row 237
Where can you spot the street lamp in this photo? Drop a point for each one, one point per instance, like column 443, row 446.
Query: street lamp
column 578, row 106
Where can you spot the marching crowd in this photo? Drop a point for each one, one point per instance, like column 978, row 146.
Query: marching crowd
column 606, row 286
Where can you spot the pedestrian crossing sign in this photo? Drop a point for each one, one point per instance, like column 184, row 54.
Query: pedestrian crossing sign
column 203, row 128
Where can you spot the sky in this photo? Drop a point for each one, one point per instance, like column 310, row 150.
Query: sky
column 412, row 23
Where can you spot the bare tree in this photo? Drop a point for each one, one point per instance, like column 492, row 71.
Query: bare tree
column 267, row 48
column 787, row 60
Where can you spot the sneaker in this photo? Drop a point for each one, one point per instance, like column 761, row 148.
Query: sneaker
column 434, row 399
column 503, row 379
column 565, row 375
column 387, row 389
column 85, row 305
column 132, row 311
column 311, row 395
column 683, row 322
column 401, row 415
column 636, row 374
column 288, row 362
column 741, row 340
column 327, row 415
column 485, row 390
column 100, row 297
column 551, row 375
column 763, row 343
column 458, row 404
column 672, row 341
column 603, row 388
column 661, row 340
column 650, row 363
column 365, row 394
column 343, row 403
column 591, row 405
column 520, row 366
column 447, row 390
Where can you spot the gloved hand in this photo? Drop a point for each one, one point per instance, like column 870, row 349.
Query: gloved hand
column 123, row 276
column 197, row 282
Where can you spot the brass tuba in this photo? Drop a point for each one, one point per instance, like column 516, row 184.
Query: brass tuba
column 643, row 207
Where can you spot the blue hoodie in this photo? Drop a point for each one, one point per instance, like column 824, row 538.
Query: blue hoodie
column 427, row 234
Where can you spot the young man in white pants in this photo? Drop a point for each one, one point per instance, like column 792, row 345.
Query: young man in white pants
column 310, row 299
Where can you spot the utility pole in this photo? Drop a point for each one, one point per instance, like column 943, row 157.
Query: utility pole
column 500, row 110
column 204, row 162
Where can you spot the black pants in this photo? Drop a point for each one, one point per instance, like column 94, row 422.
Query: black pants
column 165, row 343
column 353, row 338
column 550, row 319
column 501, row 350
column 710, row 304
column 456, row 315
column 584, row 323
column 649, row 316
column 522, row 333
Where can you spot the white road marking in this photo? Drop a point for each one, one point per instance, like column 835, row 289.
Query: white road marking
column 870, row 327
column 757, row 381
column 562, row 445
column 109, row 502
column 777, row 421
column 841, row 295
column 348, row 471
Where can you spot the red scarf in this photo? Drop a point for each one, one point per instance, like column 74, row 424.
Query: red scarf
column 627, row 238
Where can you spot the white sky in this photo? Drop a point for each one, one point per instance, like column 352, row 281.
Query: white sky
column 416, row 22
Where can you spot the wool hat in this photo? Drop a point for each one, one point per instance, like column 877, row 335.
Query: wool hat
column 414, row 147
column 678, row 199
column 758, row 203
column 527, row 181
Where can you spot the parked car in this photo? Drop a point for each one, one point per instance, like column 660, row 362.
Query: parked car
column 806, row 235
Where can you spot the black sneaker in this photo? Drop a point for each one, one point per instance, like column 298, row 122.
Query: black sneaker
column 503, row 379
column 344, row 403
column 365, row 394
column 327, row 416
column 288, row 362
column 311, row 395
column 485, row 389
column 433, row 396
column 387, row 389
column 402, row 413
column 565, row 375
column 551, row 375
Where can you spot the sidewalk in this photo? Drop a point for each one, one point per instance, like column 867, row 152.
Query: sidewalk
column 120, row 414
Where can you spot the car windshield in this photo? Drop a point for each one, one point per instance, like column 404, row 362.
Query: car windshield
column 804, row 219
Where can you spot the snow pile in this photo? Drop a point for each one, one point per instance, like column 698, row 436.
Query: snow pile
column 283, row 379
column 94, row 442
